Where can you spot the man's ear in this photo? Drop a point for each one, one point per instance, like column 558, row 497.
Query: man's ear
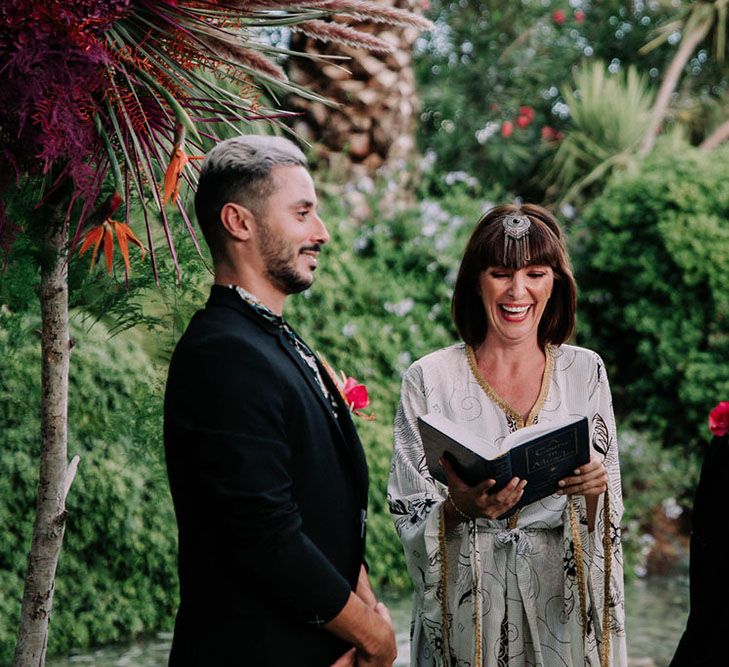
column 237, row 220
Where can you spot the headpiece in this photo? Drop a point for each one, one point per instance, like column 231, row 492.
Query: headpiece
column 516, row 231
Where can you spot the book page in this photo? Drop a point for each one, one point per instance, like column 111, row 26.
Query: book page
column 530, row 432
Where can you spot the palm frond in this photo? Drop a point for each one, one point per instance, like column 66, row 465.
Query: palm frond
column 609, row 116
column 137, row 69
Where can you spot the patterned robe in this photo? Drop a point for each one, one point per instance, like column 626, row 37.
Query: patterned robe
column 534, row 593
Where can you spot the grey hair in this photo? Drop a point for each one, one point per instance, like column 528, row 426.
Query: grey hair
column 238, row 170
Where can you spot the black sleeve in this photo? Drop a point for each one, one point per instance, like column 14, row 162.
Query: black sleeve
column 242, row 463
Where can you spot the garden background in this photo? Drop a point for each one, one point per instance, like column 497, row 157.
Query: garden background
column 541, row 101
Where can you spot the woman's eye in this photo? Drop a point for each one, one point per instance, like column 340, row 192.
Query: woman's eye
column 537, row 274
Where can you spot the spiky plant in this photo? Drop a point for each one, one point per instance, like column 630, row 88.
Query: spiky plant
column 609, row 114
column 115, row 92
column 695, row 22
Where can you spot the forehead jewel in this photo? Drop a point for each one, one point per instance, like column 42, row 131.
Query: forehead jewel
column 516, row 233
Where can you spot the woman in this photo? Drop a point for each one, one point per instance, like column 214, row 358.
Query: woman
column 544, row 587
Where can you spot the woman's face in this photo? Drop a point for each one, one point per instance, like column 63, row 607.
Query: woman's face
column 515, row 300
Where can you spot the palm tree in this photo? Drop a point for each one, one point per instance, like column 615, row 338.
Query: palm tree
column 374, row 121
column 695, row 21
column 107, row 97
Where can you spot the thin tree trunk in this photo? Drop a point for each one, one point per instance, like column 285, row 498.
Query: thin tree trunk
column 716, row 138
column 688, row 45
column 55, row 475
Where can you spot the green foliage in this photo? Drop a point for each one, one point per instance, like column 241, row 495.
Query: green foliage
column 653, row 476
column 652, row 260
column 485, row 60
column 117, row 571
column 609, row 117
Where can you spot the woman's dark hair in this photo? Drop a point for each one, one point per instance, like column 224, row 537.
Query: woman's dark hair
column 486, row 248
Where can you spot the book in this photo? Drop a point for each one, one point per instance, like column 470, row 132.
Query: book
column 542, row 454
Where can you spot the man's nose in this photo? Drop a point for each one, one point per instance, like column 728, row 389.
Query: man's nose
column 321, row 233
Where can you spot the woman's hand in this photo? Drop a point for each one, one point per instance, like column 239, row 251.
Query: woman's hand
column 589, row 480
column 475, row 501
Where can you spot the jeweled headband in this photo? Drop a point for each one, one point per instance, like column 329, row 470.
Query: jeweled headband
column 516, row 232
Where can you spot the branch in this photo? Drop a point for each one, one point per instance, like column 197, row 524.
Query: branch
column 688, row 45
column 717, row 137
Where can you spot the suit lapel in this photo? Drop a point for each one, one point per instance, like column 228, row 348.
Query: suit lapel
column 343, row 426
column 343, row 423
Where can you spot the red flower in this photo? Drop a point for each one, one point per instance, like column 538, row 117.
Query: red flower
column 355, row 394
column 559, row 16
column 523, row 121
column 549, row 133
column 579, row 16
column 719, row 419
column 507, row 128
column 527, row 112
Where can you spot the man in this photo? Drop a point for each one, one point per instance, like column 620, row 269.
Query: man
column 267, row 473
column 702, row 643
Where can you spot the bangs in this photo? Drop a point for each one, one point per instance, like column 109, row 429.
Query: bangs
column 543, row 247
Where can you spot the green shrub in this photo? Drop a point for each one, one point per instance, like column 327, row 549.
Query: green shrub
column 653, row 477
column 117, row 571
column 652, row 264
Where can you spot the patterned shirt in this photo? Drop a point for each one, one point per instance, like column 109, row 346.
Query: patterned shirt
column 302, row 349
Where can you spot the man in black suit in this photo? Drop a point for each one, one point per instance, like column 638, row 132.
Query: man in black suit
column 268, row 476
column 702, row 643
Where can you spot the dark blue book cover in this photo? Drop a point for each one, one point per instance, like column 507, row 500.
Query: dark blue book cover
column 542, row 454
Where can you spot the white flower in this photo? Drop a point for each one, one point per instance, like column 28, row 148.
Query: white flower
column 671, row 508
column 401, row 308
column 350, row 329
column 404, row 359
column 486, row 132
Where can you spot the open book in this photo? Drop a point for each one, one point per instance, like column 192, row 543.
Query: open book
column 542, row 454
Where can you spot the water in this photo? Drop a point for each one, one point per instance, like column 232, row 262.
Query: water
column 656, row 612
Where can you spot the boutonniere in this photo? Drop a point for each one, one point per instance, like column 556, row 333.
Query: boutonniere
column 353, row 393
column 719, row 419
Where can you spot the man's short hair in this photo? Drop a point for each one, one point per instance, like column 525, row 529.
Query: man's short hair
column 238, row 170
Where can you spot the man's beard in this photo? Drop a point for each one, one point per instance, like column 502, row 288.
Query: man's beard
column 280, row 262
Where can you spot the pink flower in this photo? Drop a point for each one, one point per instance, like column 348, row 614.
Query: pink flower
column 559, row 16
column 719, row 419
column 355, row 394
column 507, row 128
column 579, row 16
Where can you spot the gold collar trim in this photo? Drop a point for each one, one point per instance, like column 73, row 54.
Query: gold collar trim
column 508, row 410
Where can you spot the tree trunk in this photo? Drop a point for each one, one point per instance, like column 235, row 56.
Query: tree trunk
column 55, row 475
column 375, row 122
column 688, row 45
column 716, row 138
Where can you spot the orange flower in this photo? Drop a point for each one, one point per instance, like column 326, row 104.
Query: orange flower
column 104, row 232
column 178, row 162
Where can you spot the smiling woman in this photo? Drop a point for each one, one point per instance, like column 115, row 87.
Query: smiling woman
column 511, row 591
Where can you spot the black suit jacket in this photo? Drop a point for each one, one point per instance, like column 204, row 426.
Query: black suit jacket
column 702, row 644
column 270, row 490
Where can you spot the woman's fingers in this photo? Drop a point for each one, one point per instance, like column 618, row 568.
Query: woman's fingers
column 498, row 503
column 454, row 481
column 591, row 479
